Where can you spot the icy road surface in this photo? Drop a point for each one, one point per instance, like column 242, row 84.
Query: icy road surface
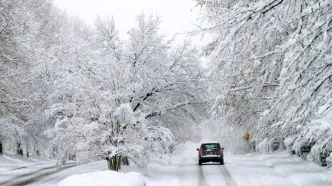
column 276, row 169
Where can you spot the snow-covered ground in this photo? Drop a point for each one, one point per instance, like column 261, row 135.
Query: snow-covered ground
column 54, row 179
column 42, row 172
column 275, row 169
column 182, row 169
column 12, row 166
column 105, row 178
column 13, row 162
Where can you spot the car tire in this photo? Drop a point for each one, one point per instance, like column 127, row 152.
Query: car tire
column 199, row 162
column 221, row 161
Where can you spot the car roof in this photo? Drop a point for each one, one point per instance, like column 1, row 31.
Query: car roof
column 210, row 143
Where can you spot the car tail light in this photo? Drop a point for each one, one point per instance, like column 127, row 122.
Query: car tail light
column 221, row 152
column 200, row 152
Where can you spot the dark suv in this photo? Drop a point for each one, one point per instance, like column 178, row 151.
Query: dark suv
column 210, row 152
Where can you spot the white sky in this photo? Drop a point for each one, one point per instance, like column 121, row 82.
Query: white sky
column 177, row 16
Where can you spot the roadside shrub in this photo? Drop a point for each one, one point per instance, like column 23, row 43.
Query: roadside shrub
column 271, row 145
column 329, row 161
column 315, row 143
column 289, row 143
column 276, row 144
column 263, row 146
column 321, row 151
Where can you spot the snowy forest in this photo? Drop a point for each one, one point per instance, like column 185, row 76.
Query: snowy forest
column 68, row 90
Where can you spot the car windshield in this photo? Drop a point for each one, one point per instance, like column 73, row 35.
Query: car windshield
column 210, row 146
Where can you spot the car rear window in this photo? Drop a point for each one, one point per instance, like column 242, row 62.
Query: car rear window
column 210, row 146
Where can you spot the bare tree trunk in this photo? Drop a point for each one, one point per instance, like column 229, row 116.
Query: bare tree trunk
column 1, row 152
column 125, row 161
column 37, row 151
column 114, row 163
column 118, row 163
column 19, row 149
column 108, row 163
column 27, row 152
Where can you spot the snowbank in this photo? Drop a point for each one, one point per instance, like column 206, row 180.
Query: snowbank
column 276, row 169
column 104, row 178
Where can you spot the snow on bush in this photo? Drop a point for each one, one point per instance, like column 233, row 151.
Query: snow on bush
column 263, row 146
column 289, row 142
column 271, row 145
column 276, row 144
column 316, row 142
column 321, row 151
column 104, row 178
column 161, row 140
column 329, row 161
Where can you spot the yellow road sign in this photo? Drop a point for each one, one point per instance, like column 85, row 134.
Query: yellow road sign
column 246, row 136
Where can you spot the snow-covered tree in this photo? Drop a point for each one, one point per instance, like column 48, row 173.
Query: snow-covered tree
column 18, row 31
column 271, row 62
column 169, row 80
column 77, row 90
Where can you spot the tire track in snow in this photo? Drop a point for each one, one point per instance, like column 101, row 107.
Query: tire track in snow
column 201, row 177
column 213, row 175
column 38, row 177
column 30, row 178
column 189, row 173
column 24, row 167
column 228, row 178
column 28, row 174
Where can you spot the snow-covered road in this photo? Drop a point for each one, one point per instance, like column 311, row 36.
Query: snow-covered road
column 32, row 175
column 182, row 169
column 276, row 169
